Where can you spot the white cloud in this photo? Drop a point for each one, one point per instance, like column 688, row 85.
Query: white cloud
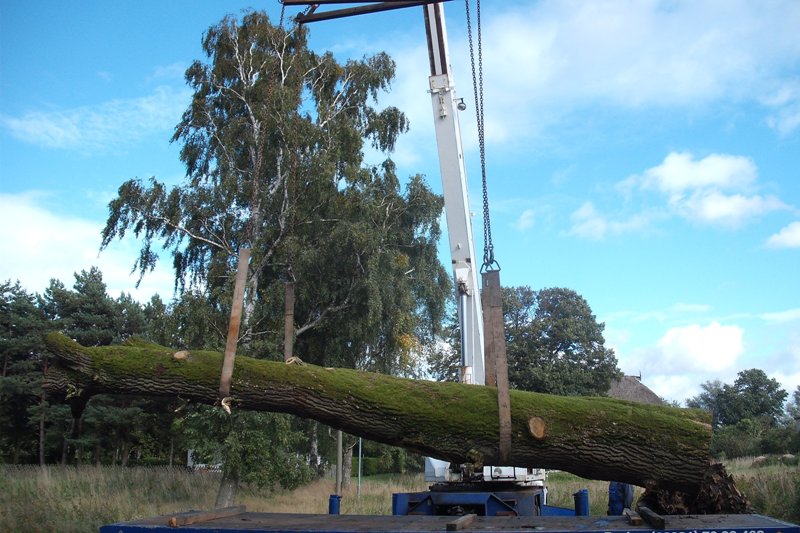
column 716, row 208
column 718, row 189
column 588, row 223
column 790, row 315
column 112, row 123
column 681, row 308
column 525, row 220
column 692, row 349
column 788, row 237
column 785, row 104
column 711, row 348
column 686, row 356
column 558, row 57
column 38, row 245
column 680, row 172
column 672, row 388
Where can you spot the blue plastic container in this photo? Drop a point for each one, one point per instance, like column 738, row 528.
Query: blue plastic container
column 334, row 504
column 581, row 502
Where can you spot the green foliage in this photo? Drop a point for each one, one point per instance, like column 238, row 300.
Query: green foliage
column 553, row 341
column 753, row 395
column 22, row 326
column 129, row 318
column 273, row 147
column 382, row 459
column 112, row 430
column 379, row 260
column 748, row 415
column 267, row 114
column 259, row 447
column 191, row 321
column 555, row 344
column 444, row 357
column 709, row 400
column 793, row 407
column 86, row 313
column 739, row 440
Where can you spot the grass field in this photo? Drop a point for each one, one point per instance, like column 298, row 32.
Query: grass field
column 70, row 499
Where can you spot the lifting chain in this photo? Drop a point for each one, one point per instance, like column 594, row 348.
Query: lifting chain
column 489, row 262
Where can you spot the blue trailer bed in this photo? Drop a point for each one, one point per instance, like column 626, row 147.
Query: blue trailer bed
column 248, row 522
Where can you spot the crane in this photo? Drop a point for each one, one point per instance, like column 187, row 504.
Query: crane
column 475, row 365
column 445, row 105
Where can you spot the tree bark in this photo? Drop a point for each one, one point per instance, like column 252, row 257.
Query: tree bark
column 347, row 462
column 656, row 447
column 314, row 459
column 42, row 418
column 228, row 487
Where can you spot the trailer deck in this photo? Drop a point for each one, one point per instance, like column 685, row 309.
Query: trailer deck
column 248, row 522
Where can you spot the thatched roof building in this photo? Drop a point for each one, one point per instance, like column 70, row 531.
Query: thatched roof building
column 631, row 388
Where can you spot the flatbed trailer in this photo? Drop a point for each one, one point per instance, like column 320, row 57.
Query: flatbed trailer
column 249, row 522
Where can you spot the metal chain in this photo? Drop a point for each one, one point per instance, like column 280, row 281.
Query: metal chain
column 489, row 262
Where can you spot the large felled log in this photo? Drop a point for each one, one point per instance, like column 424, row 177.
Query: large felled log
column 658, row 447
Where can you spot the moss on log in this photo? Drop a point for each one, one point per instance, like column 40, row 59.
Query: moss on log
column 657, row 447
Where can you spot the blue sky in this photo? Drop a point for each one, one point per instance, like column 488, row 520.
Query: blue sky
column 643, row 153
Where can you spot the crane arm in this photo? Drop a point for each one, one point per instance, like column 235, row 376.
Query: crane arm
column 456, row 196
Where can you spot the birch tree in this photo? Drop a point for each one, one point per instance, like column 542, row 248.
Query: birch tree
column 273, row 144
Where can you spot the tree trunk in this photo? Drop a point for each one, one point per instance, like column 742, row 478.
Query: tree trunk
column 42, row 418
column 656, row 447
column 314, row 459
column 127, row 446
column 79, row 439
column 228, row 487
column 65, row 443
column 347, row 463
column 41, row 431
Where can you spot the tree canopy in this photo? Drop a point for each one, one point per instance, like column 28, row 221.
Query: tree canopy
column 555, row 344
column 753, row 395
column 273, row 147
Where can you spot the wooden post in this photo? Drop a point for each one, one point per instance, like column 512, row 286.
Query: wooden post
column 495, row 350
column 288, row 321
column 234, row 324
column 489, row 363
column 339, row 461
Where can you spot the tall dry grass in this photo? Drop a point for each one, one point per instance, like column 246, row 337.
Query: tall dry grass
column 70, row 499
column 375, row 498
column 561, row 487
column 773, row 488
column 81, row 499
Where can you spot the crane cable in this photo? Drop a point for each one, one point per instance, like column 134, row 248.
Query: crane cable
column 489, row 261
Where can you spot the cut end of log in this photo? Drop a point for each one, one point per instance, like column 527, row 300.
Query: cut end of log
column 536, row 427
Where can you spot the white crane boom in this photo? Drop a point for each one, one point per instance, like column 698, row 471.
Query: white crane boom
column 456, row 197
